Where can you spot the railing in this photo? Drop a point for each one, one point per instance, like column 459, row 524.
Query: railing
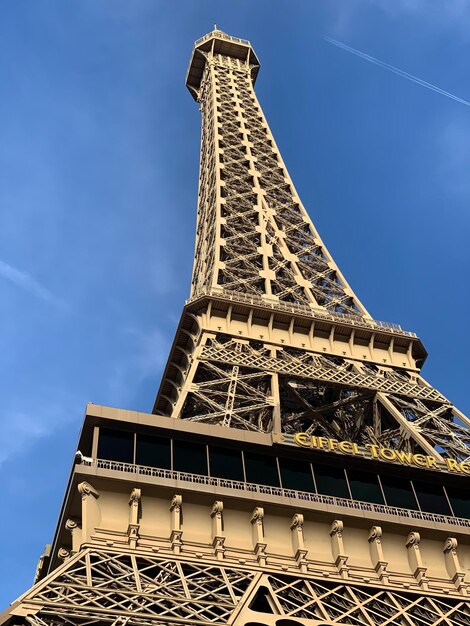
column 221, row 35
column 361, row 322
column 198, row 479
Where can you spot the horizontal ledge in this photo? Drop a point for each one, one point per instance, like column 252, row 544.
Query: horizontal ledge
column 249, row 489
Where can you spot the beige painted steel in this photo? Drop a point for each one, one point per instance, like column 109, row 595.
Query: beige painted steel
column 271, row 342
column 159, row 553
column 271, row 320
column 244, row 186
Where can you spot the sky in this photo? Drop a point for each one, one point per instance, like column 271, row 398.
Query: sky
column 99, row 160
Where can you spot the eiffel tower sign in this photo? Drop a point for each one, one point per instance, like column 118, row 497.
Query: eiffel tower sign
column 296, row 469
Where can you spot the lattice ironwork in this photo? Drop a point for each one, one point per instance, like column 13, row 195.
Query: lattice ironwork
column 445, row 428
column 256, row 244
column 361, row 605
column 325, row 368
column 97, row 587
column 257, row 247
column 103, row 585
column 242, row 383
column 253, row 234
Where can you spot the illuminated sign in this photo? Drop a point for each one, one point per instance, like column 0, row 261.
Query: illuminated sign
column 374, row 451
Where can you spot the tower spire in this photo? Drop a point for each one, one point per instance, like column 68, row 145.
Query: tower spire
column 254, row 236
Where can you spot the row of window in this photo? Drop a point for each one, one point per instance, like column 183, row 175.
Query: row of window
column 277, row 471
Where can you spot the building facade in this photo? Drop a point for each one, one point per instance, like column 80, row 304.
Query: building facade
column 296, row 469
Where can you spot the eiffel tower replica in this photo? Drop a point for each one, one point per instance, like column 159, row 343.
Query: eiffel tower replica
column 296, row 469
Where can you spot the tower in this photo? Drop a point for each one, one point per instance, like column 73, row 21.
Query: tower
column 296, row 469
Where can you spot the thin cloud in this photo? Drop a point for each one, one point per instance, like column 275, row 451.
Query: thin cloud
column 26, row 282
column 145, row 360
column 24, row 427
column 396, row 70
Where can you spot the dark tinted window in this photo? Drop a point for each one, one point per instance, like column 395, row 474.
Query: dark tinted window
column 460, row 501
column 261, row 469
column 226, row 463
column 296, row 475
column 365, row 486
column 189, row 457
column 431, row 498
column 398, row 492
column 153, row 451
column 116, row 445
column 331, row 481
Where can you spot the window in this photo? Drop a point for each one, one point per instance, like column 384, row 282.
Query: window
column 460, row 501
column 331, row 481
column 431, row 498
column 261, row 469
column 189, row 457
column 153, row 451
column 365, row 486
column 226, row 463
column 116, row 445
column 398, row 492
column 296, row 475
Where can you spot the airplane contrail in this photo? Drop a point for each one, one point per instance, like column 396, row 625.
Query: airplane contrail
column 396, row 70
column 25, row 281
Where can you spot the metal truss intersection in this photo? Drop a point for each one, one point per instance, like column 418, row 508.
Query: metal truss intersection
column 97, row 587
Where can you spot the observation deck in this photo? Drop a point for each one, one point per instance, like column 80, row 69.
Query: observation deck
column 218, row 42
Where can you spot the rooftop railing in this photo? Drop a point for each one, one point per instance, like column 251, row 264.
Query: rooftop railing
column 221, row 35
column 288, row 307
column 305, row 496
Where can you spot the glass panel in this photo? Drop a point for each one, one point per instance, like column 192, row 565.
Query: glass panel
column 460, row 501
column 296, row 475
column 153, row 451
column 432, row 498
column 398, row 492
column 226, row 463
column 116, row 445
column 189, row 457
column 261, row 469
column 331, row 481
column 365, row 486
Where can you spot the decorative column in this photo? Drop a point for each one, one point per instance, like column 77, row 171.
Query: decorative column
column 91, row 514
column 376, row 553
column 218, row 537
column 176, row 523
column 414, row 559
column 298, row 546
column 337, row 548
column 72, row 526
column 133, row 528
column 454, row 569
column 259, row 541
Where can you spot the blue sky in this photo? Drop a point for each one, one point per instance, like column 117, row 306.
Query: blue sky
column 98, row 184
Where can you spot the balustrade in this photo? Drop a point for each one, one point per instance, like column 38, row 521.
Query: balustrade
column 293, row 494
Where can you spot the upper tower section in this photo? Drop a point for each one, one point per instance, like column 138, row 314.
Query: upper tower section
column 254, row 238
column 214, row 43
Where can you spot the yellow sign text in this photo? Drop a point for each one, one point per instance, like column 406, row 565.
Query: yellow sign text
column 375, row 451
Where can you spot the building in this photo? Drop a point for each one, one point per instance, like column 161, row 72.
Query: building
column 296, row 469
